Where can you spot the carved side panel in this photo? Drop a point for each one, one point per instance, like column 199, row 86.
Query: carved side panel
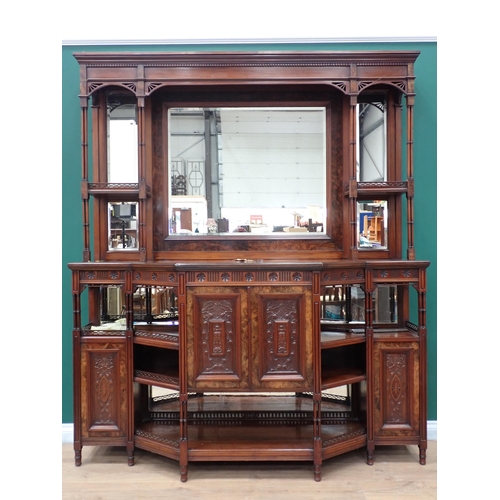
column 284, row 335
column 103, row 390
column 215, row 343
column 396, row 389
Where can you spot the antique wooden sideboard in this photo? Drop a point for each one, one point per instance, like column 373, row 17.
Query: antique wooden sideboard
column 215, row 330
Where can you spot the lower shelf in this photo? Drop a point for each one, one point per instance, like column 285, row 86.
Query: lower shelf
column 250, row 428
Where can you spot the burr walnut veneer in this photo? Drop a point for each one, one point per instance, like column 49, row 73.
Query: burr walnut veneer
column 246, row 347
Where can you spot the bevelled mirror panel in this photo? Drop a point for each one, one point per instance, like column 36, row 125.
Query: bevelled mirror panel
column 345, row 304
column 247, row 170
column 372, row 218
column 122, row 141
column 371, row 142
column 123, row 226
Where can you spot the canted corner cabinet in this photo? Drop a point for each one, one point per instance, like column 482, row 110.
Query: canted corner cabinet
column 217, row 328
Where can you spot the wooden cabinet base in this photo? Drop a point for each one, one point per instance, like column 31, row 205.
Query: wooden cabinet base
column 249, row 370
column 251, row 428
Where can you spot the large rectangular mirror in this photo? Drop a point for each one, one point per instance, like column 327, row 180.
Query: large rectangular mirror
column 241, row 170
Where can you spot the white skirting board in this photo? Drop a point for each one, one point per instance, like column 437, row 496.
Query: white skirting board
column 67, row 431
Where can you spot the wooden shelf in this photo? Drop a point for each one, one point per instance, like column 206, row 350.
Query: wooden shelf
column 158, row 438
column 380, row 189
column 156, row 365
column 336, row 377
column 166, row 380
column 156, row 337
column 250, row 427
column 341, row 438
column 120, row 191
column 395, row 334
column 337, row 339
column 251, row 441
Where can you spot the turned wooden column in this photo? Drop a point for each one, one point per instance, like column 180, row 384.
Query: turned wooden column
column 183, row 379
column 422, row 333
column 77, row 405
column 85, row 178
column 410, row 99
column 353, row 226
column 141, row 126
column 369, row 314
column 129, row 354
column 317, row 439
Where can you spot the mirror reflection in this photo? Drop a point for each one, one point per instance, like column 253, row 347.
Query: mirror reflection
column 385, row 304
column 112, row 310
column 342, row 304
column 154, row 304
column 122, row 138
column 247, row 170
column 371, row 142
column 372, row 224
column 123, row 230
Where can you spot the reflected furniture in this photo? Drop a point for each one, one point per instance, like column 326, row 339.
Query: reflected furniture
column 240, row 346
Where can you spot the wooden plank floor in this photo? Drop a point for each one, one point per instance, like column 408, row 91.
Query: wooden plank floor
column 105, row 475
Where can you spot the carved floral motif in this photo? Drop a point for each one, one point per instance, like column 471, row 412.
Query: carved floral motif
column 282, row 335
column 217, row 335
column 395, row 388
column 104, row 387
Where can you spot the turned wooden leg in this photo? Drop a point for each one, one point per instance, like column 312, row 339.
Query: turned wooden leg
column 130, row 454
column 78, row 457
column 423, row 453
column 370, row 456
column 184, row 473
column 317, row 473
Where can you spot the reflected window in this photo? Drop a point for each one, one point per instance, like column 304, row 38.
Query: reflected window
column 372, row 217
column 247, row 170
column 123, row 231
column 371, row 142
column 122, row 139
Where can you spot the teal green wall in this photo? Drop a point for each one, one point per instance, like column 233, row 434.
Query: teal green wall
column 425, row 156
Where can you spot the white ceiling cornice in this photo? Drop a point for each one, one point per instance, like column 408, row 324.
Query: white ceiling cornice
column 227, row 41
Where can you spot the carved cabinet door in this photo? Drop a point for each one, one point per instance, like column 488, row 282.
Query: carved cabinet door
column 282, row 338
column 249, row 338
column 396, row 390
column 217, row 338
column 103, row 389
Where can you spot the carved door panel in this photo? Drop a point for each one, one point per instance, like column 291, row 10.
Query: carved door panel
column 257, row 338
column 396, row 390
column 282, row 338
column 217, row 338
column 103, row 389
